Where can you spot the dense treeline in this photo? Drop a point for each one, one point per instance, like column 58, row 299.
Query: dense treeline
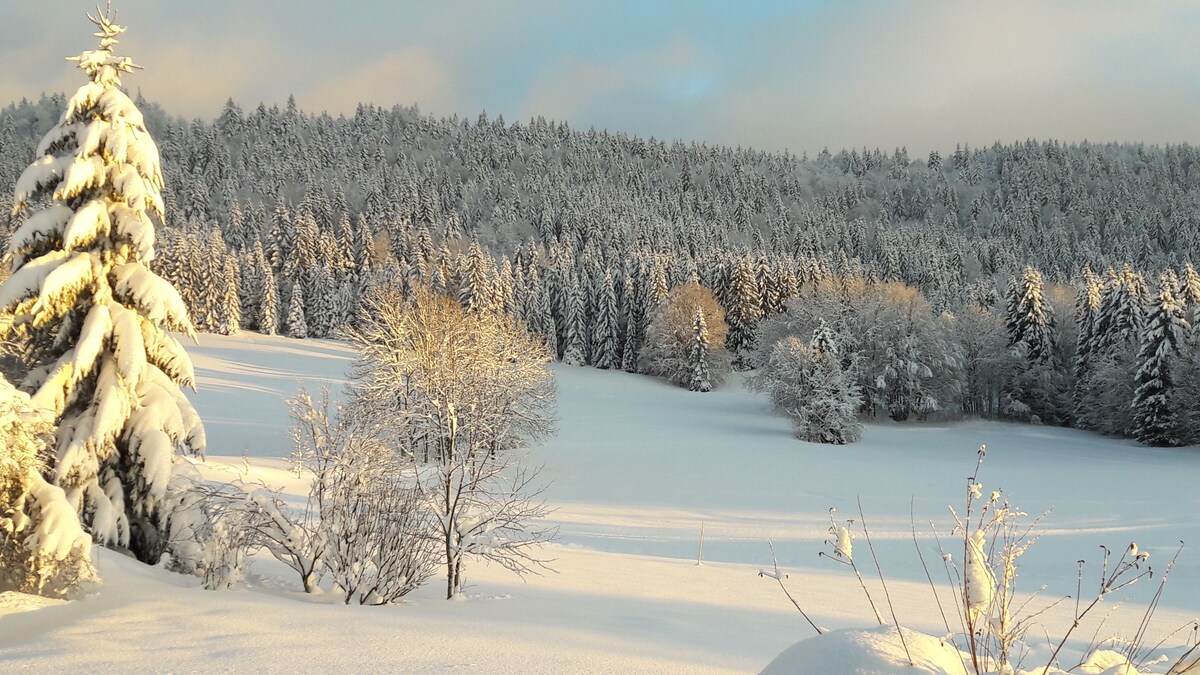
column 281, row 219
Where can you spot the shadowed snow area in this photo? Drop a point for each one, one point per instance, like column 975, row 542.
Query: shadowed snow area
column 638, row 464
column 636, row 467
column 243, row 382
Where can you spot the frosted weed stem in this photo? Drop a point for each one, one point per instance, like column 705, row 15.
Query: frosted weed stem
column 887, row 596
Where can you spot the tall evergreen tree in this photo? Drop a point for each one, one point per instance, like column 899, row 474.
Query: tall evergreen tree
column 1154, row 417
column 633, row 326
column 93, row 317
column 604, row 330
column 268, row 306
column 297, row 325
column 473, row 282
column 1029, row 319
column 573, row 345
column 743, row 312
column 1119, row 323
column 230, row 315
column 701, row 378
column 1087, row 315
column 1189, row 294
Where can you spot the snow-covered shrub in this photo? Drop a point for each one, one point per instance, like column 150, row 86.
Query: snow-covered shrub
column 374, row 527
column 90, row 316
column 213, row 529
column 43, row 548
column 291, row 537
column 688, row 352
column 809, row 385
column 365, row 528
column 217, row 526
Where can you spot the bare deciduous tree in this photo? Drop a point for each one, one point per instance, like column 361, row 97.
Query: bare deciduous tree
column 460, row 393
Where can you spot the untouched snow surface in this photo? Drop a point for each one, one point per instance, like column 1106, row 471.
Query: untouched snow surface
column 637, row 467
column 867, row 652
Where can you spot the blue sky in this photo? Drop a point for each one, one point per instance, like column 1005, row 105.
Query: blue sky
column 772, row 74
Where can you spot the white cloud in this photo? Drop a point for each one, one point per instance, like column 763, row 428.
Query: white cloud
column 931, row 75
column 406, row 76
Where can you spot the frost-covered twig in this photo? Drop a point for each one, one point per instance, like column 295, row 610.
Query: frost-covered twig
column 1189, row 661
column 948, row 565
column 925, row 566
column 843, row 552
column 1108, row 583
column 862, row 519
column 1136, row 643
column 779, row 577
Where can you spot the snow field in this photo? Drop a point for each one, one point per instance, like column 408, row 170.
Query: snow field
column 636, row 468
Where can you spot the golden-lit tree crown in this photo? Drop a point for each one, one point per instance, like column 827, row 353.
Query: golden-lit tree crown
column 100, row 64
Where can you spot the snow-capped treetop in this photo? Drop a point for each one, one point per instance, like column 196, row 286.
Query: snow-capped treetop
column 100, row 64
column 99, row 147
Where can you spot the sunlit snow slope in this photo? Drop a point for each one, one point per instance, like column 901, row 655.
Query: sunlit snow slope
column 636, row 468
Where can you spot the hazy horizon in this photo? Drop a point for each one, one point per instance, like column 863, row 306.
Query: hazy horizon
column 773, row 75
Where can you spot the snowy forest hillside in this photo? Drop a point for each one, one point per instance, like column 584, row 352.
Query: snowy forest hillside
column 940, row 222
column 280, row 220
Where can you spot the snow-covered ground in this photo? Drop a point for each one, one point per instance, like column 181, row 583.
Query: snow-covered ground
column 637, row 467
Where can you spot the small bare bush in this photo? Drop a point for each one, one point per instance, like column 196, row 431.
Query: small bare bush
column 365, row 526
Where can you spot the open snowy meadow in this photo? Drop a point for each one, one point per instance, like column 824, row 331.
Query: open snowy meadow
column 637, row 469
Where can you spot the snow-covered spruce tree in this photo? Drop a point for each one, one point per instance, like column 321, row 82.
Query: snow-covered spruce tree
column 701, row 379
column 1119, row 321
column 824, row 339
column 573, row 345
column 43, row 547
column 1186, row 394
column 268, row 305
column 297, row 326
column 670, row 346
column 1189, row 294
column 1028, row 317
column 229, row 314
column 1155, row 419
column 1087, row 312
column 1038, row 390
column 91, row 316
column 633, row 306
column 604, row 331
column 1106, row 388
column 743, row 312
